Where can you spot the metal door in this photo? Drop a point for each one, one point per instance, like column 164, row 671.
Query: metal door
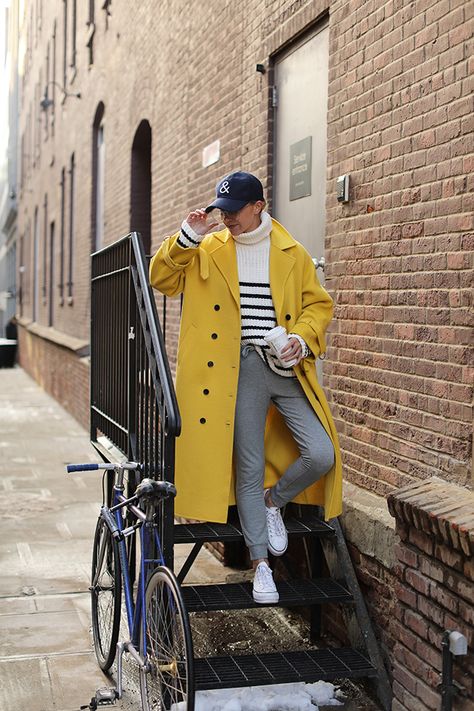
column 301, row 97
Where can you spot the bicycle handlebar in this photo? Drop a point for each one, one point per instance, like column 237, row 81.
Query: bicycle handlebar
column 93, row 467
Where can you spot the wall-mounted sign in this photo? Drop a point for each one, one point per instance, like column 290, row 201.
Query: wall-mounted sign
column 300, row 169
column 211, row 153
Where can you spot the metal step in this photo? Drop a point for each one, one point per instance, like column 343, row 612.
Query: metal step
column 238, row 596
column 280, row 668
column 226, row 532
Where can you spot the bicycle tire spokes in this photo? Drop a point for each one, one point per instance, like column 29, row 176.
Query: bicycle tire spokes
column 168, row 678
column 105, row 595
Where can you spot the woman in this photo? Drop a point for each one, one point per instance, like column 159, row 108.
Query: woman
column 256, row 430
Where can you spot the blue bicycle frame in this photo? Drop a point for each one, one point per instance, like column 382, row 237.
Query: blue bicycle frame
column 134, row 610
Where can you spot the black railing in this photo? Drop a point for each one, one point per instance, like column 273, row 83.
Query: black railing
column 134, row 412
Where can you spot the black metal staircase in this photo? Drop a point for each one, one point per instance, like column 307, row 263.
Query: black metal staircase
column 138, row 418
column 287, row 666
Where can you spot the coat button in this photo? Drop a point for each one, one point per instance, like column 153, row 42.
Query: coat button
column 214, row 336
column 216, row 307
column 288, row 317
column 210, row 364
column 202, row 420
column 205, row 391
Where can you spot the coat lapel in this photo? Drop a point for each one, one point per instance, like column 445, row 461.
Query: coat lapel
column 226, row 261
column 281, row 264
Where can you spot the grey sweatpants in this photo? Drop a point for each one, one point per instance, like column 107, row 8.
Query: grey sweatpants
column 258, row 386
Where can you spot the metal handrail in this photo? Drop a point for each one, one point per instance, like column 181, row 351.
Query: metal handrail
column 155, row 346
column 134, row 412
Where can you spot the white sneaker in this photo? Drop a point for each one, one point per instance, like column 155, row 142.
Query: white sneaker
column 264, row 588
column 277, row 533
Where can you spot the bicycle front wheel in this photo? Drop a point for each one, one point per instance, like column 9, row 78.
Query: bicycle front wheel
column 168, row 679
column 105, row 595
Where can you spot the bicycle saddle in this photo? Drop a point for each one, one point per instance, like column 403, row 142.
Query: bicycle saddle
column 149, row 489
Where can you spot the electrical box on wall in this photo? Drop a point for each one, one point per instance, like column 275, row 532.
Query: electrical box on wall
column 342, row 188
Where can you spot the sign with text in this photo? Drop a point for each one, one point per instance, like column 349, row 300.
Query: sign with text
column 300, row 169
column 211, row 154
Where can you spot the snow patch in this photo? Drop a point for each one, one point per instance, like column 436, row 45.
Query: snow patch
column 279, row 697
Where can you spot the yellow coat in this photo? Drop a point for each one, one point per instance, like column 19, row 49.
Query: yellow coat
column 208, row 367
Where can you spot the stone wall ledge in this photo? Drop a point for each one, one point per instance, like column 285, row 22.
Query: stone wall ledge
column 437, row 508
column 78, row 346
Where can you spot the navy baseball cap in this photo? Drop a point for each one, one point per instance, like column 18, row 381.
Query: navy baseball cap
column 236, row 190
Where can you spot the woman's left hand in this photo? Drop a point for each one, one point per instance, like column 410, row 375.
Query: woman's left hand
column 292, row 350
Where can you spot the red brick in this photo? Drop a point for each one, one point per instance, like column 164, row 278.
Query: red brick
column 405, row 678
column 429, row 696
column 416, row 623
column 431, row 655
column 451, row 558
column 430, row 611
column 418, row 581
column 421, row 541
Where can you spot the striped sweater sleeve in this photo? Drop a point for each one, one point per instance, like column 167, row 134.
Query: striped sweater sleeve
column 188, row 238
column 304, row 345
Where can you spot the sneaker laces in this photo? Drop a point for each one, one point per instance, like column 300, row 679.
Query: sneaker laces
column 275, row 522
column 264, row 575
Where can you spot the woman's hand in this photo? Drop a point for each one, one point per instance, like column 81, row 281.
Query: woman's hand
column 292, row 350
column 198, row 221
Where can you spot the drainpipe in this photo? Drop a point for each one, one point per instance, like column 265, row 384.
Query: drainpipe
column 454, row 644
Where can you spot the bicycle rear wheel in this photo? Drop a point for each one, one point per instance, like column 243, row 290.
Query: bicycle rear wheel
column 105, row 595
column 169, row 676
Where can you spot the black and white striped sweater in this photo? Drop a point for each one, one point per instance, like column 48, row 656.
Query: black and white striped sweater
column 257, row 311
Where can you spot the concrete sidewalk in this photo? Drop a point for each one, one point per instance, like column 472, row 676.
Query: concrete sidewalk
column 47, row 521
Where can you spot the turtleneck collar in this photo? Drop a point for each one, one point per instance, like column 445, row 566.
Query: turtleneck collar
column 262, row 231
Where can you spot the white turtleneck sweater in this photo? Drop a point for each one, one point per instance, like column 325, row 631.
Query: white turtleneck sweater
column 257, row 312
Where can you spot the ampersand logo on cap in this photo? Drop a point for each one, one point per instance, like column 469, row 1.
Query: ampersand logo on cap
column 236, row 190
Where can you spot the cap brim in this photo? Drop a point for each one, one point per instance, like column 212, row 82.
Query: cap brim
column 227, row 204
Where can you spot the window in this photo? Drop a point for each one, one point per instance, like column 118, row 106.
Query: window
column 47, row 85
column 22, row 161
column 51, row 276
column 45, row 248
column 53, row 78
column 21, row 271
column 140, row 190
column 35, row 266
column 98, row 179
column 61, row 237
column 91, row 31
column 65, row 42
column 100, row 186
column 73, row 35
column 71, row 229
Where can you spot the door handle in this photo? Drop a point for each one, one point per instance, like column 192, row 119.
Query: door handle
column 319, row 263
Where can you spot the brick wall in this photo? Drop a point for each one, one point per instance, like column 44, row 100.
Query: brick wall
column 400, row 252
column 435, row 591
column 399, row 372
column 66, row 376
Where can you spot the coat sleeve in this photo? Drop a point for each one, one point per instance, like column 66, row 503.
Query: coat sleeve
column 317, row 310
column 168, row 266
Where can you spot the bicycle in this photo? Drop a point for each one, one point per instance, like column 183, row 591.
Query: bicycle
column 160, row 636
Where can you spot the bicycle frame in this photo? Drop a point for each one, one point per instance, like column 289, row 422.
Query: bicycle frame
column 148, row 536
